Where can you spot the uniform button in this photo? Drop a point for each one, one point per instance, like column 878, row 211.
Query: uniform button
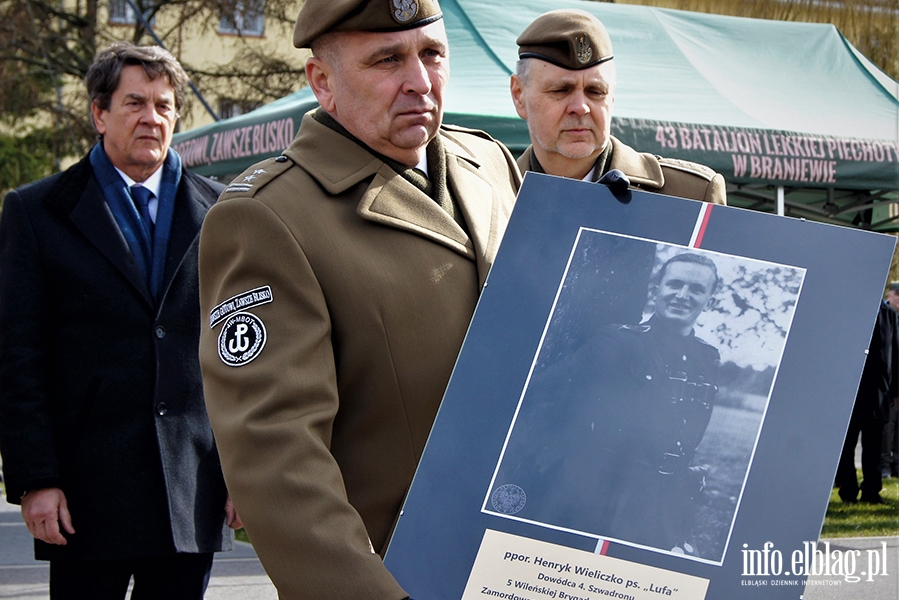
column 160, row 331
column 281, row 158
column 162, row 409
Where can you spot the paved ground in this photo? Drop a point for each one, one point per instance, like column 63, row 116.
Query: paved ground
column 883, row 586
column 238, row 575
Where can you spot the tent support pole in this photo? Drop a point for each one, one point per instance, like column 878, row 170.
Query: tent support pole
column 779, row 195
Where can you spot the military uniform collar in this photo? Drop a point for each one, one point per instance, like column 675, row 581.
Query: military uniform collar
column 641, row 168
column 337, row 163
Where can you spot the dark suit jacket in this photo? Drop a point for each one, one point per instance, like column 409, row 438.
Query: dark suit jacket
column 100, row 387
column 878, row 383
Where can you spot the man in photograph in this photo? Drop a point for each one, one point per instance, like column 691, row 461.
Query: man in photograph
column 619, row 421
column 339, row 280
column 565, row 88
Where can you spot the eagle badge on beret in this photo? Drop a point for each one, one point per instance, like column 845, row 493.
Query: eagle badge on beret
column 404, row 10
column 583, row 51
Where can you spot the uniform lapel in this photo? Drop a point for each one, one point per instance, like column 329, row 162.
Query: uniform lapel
column 478, row 203
column 339, row 163
column 642, row 169
column 391, row 200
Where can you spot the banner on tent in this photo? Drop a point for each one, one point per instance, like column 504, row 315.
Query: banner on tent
column 258, row 140
column 766, row 156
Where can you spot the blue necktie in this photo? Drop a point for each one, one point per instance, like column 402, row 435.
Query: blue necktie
column 142, row 196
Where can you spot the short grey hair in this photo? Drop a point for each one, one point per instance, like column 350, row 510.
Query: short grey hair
column 523, row 70
column 326, row 46
column 105, row 73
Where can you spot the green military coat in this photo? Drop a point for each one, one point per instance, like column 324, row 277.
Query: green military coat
column 651, row 173
column 336, row 298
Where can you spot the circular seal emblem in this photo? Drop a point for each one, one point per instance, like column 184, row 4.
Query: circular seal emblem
column 508, row 499
column 242, row 338
column 404, row 10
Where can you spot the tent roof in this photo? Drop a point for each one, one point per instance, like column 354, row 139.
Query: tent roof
column 763, row 102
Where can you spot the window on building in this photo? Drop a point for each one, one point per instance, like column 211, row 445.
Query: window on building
column 120, row 12
column 244, row 17
column 229, row 107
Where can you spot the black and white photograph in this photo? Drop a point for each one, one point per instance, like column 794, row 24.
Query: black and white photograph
column 641, row 413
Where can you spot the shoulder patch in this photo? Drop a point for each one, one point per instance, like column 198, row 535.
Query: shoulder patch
column 687, row 166
column 256, row 177
column 242, row 339
column 241, row 302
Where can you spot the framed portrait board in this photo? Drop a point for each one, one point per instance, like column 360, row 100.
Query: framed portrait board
column 650, row 402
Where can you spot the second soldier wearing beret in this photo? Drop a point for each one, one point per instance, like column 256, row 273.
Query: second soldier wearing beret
column 338, row 281
column 565, row 88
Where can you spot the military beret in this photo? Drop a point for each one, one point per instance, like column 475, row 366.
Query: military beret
column 318, row 17
column 568, row 38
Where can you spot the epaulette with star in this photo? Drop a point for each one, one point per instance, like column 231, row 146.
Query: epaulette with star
column 248, row 183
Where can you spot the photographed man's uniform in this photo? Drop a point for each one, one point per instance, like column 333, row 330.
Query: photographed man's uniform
column 336, row 295
column 659, row 390
column 606, row 439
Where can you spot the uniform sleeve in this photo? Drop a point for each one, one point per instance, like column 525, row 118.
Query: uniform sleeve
column 26, row 428
column 272, row 405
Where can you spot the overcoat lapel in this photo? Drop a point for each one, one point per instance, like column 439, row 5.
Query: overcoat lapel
column 186, row 222
column 92, row 217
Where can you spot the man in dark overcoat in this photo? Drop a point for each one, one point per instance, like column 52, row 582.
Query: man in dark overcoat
column 871, row 410
column 103, row 428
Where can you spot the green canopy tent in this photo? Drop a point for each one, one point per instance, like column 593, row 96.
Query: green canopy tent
column 796, row 119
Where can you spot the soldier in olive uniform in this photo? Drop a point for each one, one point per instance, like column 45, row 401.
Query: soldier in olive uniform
column 617, row 423
column 565, row 88
column 339, row 279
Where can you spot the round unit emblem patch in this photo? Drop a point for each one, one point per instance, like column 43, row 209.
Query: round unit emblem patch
column 404, row 10
column 242, row 338
column 508, row 499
